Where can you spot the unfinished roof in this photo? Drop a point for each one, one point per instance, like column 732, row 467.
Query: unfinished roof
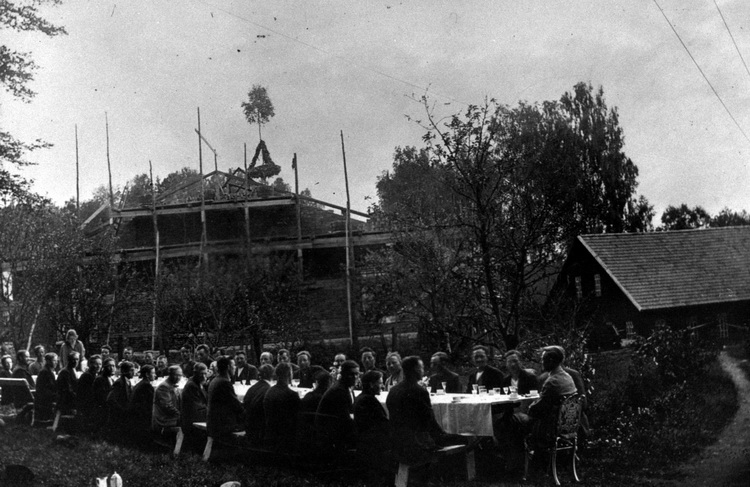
column 676, row 268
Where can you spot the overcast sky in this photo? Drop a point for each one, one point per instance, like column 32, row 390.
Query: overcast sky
column 356, row 66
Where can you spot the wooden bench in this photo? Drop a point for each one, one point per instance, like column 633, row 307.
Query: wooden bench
column 210, row 440
column 402, row 476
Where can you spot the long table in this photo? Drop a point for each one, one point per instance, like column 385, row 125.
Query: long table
column 459, row 414
column 467, row 414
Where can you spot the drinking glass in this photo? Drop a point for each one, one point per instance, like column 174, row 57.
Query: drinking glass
column 475, row 389
column 445, row 386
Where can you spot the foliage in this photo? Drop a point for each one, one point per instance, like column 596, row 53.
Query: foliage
column 258, row 107
column 60, row 278
column 508, row 188
column 237, row 300
column 683, row 218
column 16, row 71
column 675, row 398
column 729, row 218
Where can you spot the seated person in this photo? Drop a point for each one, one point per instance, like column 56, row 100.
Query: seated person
column 161, row 369
column 67, row 386
column 148, row 358
column 485, row 374
column 321, row 383
column 194, row 406
column 38, row 365
column 6, row 372
column 85, row 394
column 580, row 389
column 165, row 414
column 283, row 357
column 142, row 402
column 368, row 359
column 187, row 361
column 395, row 374
column 280, row 408
column 542, row 414
column 335, row 421
column 373, row 429
column 416, row 433
column 21, row 370
column 128, row 355
column 118, row 401
column 255, row 420
column 243, row 372
column 304, row 372
column 224, row 414
column 102, row 387
column 45, row 395
column 517, row 376
column 338, row 360
column 266, row 358
column 442, row 375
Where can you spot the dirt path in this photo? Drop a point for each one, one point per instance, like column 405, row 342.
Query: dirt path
column 726, row 462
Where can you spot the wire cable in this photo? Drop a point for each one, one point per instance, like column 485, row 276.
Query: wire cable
column 736, row 47
column 702, row 73
column 321, row 50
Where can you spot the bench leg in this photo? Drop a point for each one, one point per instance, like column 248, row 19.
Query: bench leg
column 178, row 442
column 56, row 423
column 471, row 470
column 402, row 477
column 207, row 451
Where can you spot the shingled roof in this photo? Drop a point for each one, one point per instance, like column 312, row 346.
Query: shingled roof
column 677, row 268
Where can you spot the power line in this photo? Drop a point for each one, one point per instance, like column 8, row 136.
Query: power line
column 732, row 36
column 321, row 50
column 701, row 71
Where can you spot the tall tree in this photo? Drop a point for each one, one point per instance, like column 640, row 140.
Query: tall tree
column 684, row 218
column 258, row 107
column 16, row 71
column 512, row 186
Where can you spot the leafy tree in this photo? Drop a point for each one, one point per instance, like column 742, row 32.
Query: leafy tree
column 16, row 71
column 258, row 107
column 729, row 218
column 684, row 218
column 508, row 188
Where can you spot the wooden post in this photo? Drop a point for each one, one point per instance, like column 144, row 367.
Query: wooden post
column 203, row 196
column 156, row 262
column 78, row 189
column 247, row 212
column 300, row 268
column 109, row 170
column 352, row 338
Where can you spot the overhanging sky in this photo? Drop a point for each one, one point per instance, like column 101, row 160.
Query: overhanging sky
column 356, row 67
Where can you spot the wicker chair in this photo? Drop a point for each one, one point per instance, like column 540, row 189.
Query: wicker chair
column 563, row 436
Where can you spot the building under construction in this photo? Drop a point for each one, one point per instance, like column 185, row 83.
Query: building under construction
column 237, row 214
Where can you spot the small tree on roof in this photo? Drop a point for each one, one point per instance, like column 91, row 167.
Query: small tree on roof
column 258, row 107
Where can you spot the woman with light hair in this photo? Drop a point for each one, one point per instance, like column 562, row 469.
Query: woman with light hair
column 72, row 344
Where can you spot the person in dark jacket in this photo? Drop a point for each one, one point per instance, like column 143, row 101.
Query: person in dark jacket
column 225, row 413
column 255, row 420
column 22, row 397
column 321, row 383
column 484, row 374
column 517, row 376
column 67, row 386
column 416, row 433
column 336, row 408
column 243, row 372
column 118, row 402
column 45, row 396
column 102, row 387
column 373, row 429
column 304, row 372
column 85, row 404
column 194, row 407
column 280, row 408
column 441, row 375
column 142, row 403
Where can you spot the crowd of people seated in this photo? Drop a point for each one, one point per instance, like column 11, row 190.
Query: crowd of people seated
column 338, row 408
